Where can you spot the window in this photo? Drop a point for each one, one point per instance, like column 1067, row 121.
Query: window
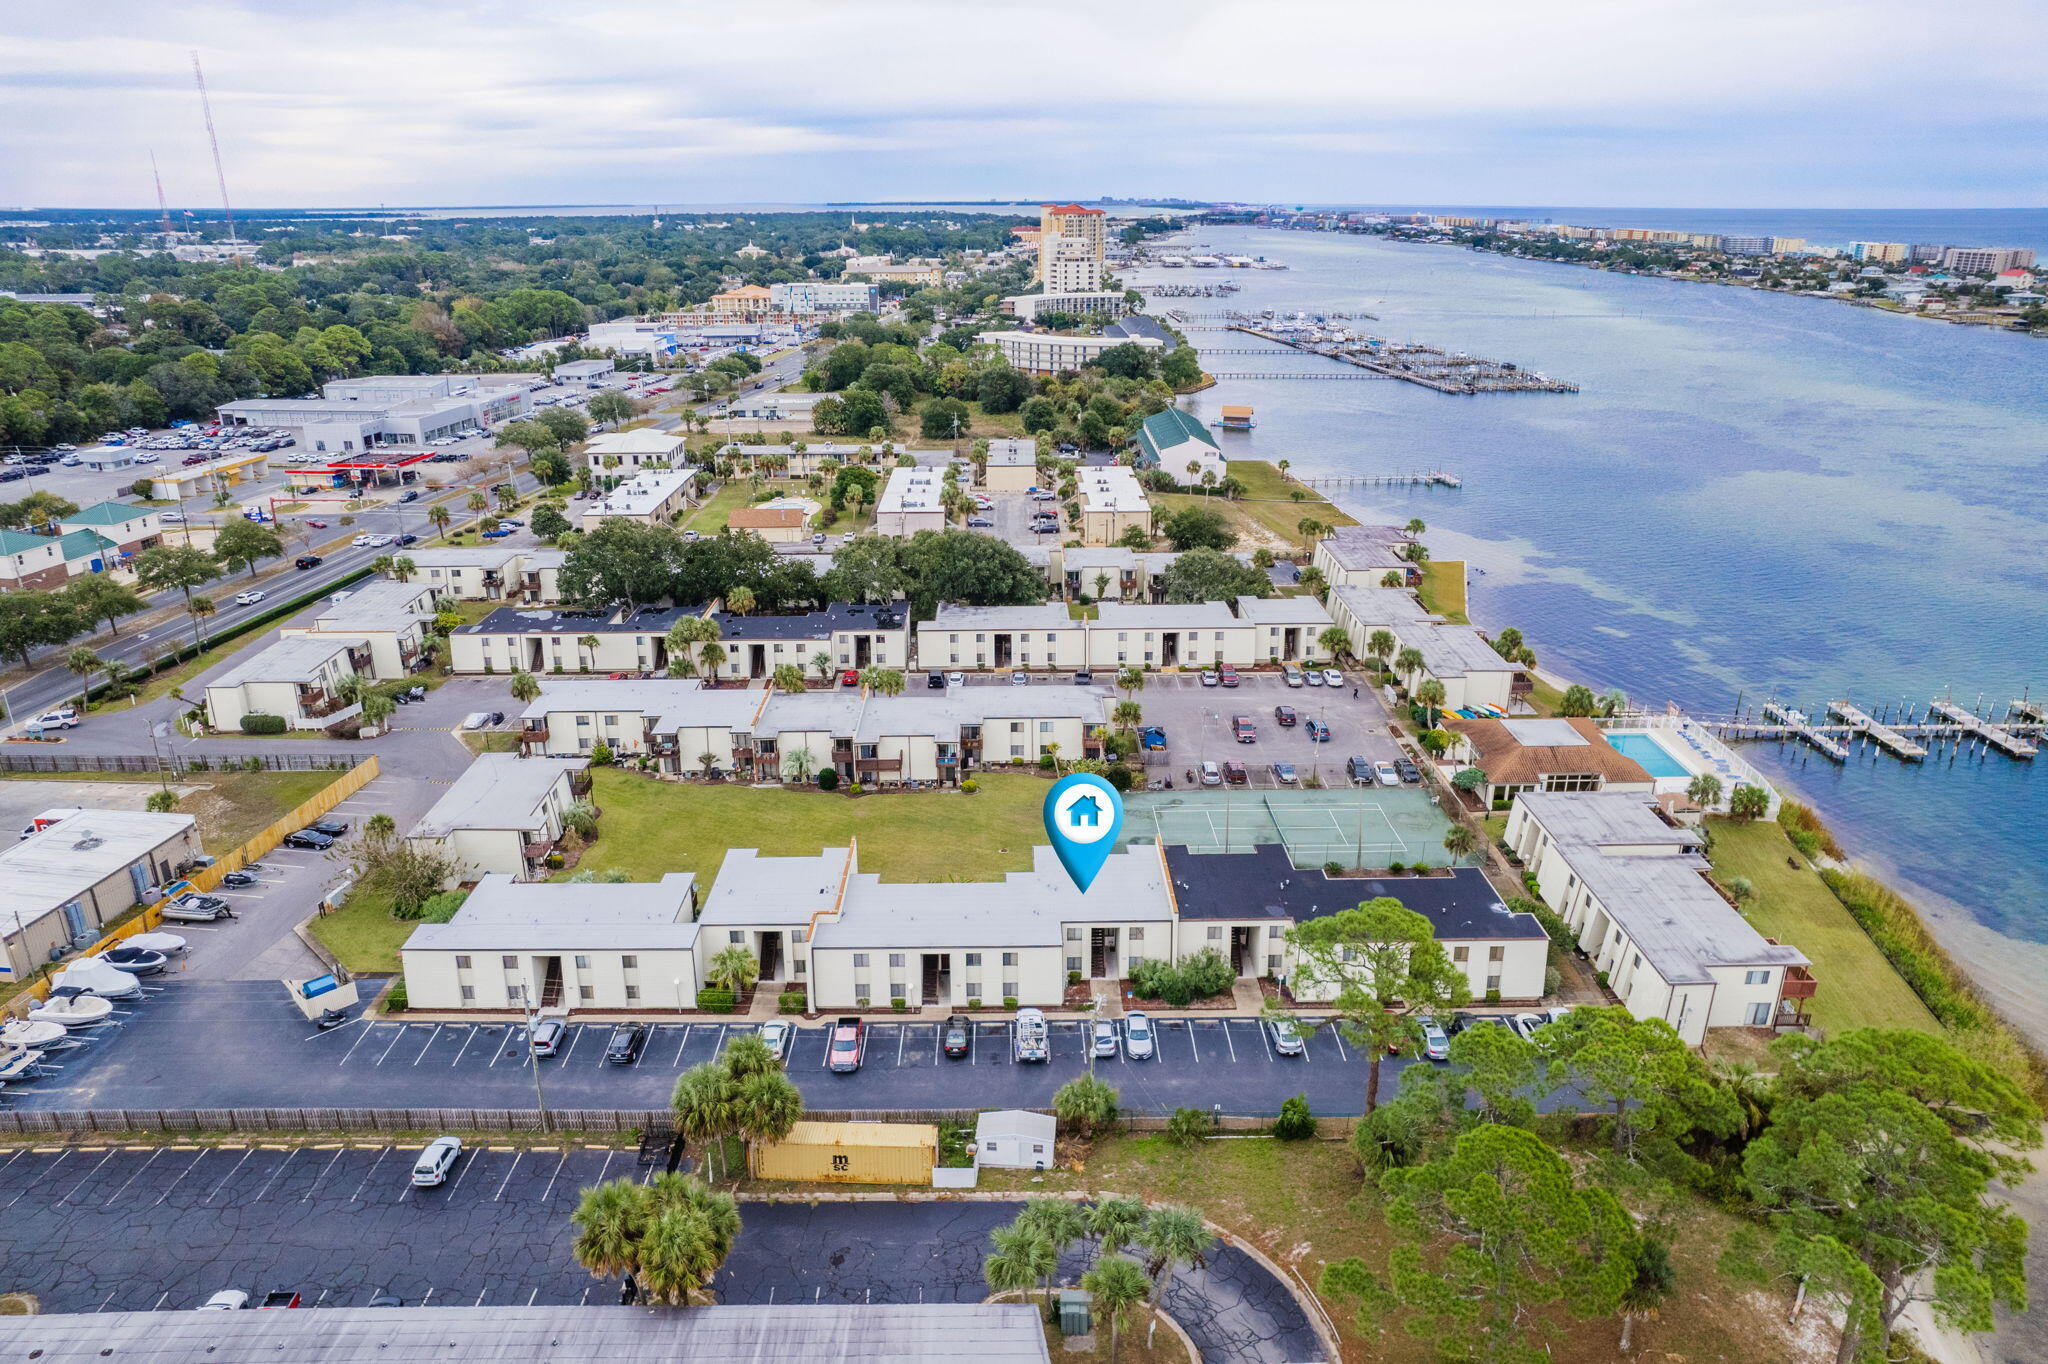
column 860, row 961
column 1009, row 958
column 1759, row 1015
column 632, row 993
column 1131, row 963
column 462, row 963
column 1461, row 954
column 583, row 963
column 1496, row 954
column 1493, row 982
column 1215, row 932
column 801, row 965
column 896, row 958
column 585, row 993
column 1073, row 935
column 896, row 990
column 629, row 963
column 1009, row 989
column 974, row 989
column 1273, row 962
column 1136, row 935
column 509, row 963
column 468, row 993
column 1272, row 930
column 1073, row 963
column 1756, row 977
column 1637, row 965
column 974, row 958
column 736, row 935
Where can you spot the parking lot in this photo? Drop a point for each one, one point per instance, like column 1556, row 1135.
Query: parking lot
column 164, row 1228
column 1197, row 720
column 147, row 1058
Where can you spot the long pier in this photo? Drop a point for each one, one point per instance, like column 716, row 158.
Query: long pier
column 1428, row 366
column 1998, row 737
column 1798, row 726
column 1884, row 736
column 1282, row 374
column 1438, row 478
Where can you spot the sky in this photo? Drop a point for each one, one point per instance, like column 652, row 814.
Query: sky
column 1744, row 103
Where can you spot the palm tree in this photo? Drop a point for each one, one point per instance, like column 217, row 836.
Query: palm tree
column 1117, row 1283
column 200, row 607
column 1459, row 840
column 402, row 568
column 740, row 600
column 1113, row 1222
column 1408, row 662
column 734, row 968
column 508, row 497
column 1430, row 695
column 525, row 687
column 1336, row 641
column 1614, row 702
column 1171, row 1236
column 1052, row 751
column 440, row 516
column 822, row 661
column 1312, row 578
column 799, row 764
column 702, row 1102
column 1283, row 466
column 1415, row 527
column 1654, row 1280
column 1129, row 679
column 377, row 708
column 1101, row 585
column 1022, row 1259
column 1127, row 714
column 587, row 644
column 1194, row 471
column 382, row 564
column 82, row 663
column 1704, row 790
column 767, row 1106
column 1310, row 530
column 684, row 1244
column 1392, row 578
column 379, row 828
column 1060, row 1223
column 476, row 501
column 788, row 677
column 1379, row 647
column 889, row 682
column 712, row 656
column 608, row 1221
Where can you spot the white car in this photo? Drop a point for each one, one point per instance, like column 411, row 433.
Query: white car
column 1313, row 677
column 1332, row 678
column 956, row 679
column 227, row 1300
column 1525, row 1025
column 1388, row 774
column 248, row 598
column 1286, row 1037
column 436, row 1159
column 780, row 1035
column 1020, row 679
column 362, row 541
column 65, row 718
column 1138, row 1037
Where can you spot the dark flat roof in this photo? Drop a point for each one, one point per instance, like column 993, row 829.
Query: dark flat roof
column 1264, row 884
column 561, row 620
column 809, row 624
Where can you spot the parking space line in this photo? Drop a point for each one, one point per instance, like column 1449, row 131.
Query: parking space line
column 499, row 1197
column 274, row 1174
column 88, row 1175
column 1193, row 1046
column 246, row 1153
column 465, row 1046
column 1228, row 1043
column 181, row 1175
column 367, row 1174
column 397, row 1031
column 549, row 1192
column 719, row 1045
column 430, row 1042
column 606, row 1166
column 476, row 1157
column 1337, row 1036
column 902, row 1036
column 682, row 1045
column 601, row 1056
column 111, row 1198
column 339, row 1152
column 570, row 1055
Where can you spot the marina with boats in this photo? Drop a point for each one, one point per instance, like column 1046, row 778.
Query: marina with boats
column 1914, row 735
column 1332, row 337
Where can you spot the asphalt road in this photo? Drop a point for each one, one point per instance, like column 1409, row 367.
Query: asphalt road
column 272, row 1058
column 138, row 1229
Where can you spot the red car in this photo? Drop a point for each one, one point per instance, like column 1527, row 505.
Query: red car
column 317, row 525
column 849, row 678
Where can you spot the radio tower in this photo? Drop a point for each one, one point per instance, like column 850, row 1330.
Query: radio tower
column 161, row 206
column 206, row 107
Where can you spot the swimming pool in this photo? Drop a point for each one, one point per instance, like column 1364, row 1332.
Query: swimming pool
column 1647, row 753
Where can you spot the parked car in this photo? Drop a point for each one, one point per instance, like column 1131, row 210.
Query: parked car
column 1212, row 775
column 1410, row 773
column 935, row 681
column 849, row 677
column 1031, row 1038
column 1209, row 677
column 958, row 1036
column 1020, row 678
column 849, row 1041
column 1386, row 773
column 546, row 1037
column 435, row 1160
column 625, row 1044
column 1138, row 1037
column 227, row 1300
column 779, row 1035
column 1226, row 675
column 333, row 828
column 408, row 539
column 248, row 598
column 1243, row 730
column 1290, row 674
column 956, row 679
column 64, row 717
column 384, row 1297
column 1332, row 678
column 1286, row 716
column 1359, row 769
column 980, row 523
column 1083, row 677
column 1318, row 732
column 409, row 495
column 281, row 1297
column 1106, row 1041
column 1286, row 1037
column 1525, row 1025
column 311, row 840
column 1283, row 773
column 1236, row 774
column 1436, row 1044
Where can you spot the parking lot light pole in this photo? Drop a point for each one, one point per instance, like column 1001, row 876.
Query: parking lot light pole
column 532, row 1056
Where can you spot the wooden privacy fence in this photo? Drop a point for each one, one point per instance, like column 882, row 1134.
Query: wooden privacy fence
column 175, row 763
column 206, row 878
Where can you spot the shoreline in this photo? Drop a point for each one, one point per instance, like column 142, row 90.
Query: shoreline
column 1989, row 323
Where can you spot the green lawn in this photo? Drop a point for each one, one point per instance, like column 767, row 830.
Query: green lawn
column 710, row 518
column 1270, row 500
column 1858, row 987
column 1443, row 589
column 363, row 934
column 648, row 827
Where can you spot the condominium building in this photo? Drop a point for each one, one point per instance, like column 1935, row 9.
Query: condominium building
column 1880, row 253
column 811, row 296
column 653, row 497
column 746, row 302
column 1103, row 302
column 621, row 454
column 1458, row 656
column 912, row 500
column 1070, row 240
column 1112, row 503
column 1046, row 353
column 1986, row 260
column 503, row 815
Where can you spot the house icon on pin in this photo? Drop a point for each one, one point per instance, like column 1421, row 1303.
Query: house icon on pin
column 1086, row 811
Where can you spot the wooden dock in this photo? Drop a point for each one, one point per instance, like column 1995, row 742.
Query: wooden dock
column 2002, row 739
column 1412, row 363
column 1434, row 478
column 1796, row 725
column 1884, row 736
column 2033, row 712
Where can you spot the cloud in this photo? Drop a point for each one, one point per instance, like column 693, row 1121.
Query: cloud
column 376, row 101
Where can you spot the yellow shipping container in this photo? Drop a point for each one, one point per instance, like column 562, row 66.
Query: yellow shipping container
column 850, row 1153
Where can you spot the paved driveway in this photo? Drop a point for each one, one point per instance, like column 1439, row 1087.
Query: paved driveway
column 118, row 1229
column 150, row 1060
column 1197, row 721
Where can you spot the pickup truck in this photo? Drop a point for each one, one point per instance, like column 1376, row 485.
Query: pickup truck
column 281, row 1297
column 849, row 1039
column 1032, row 1042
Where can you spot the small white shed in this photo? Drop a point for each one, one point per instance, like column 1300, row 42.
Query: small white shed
column 1014, row 1139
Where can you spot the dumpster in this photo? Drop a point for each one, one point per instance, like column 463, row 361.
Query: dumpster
column 850, row 1153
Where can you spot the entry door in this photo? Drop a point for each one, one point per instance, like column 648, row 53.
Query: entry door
column 1241, row 951
column 1102, row 962
column 771, row 956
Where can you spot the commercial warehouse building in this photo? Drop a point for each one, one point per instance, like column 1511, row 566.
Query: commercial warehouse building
column 67, row 883
column 399, row 409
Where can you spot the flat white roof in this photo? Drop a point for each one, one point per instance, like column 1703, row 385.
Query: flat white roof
column 913, row 489
column 295, row 658
column 379, row 606
column 42, row 872
column 643, row 493
column 645, row 441
column 497, row 791
column 504, row 915
column 1112, row 489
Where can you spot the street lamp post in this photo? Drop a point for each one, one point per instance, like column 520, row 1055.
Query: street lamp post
column 532, row 1056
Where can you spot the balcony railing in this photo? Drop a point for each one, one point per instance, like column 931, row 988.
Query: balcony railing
column 534, row 734
column 878, row 765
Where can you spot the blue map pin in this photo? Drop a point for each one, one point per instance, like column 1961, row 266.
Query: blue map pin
column 1083, row 815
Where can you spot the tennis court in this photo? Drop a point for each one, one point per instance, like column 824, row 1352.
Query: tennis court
column 1359, row 827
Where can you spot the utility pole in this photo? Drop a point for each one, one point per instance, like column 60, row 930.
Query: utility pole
column 532, row 1057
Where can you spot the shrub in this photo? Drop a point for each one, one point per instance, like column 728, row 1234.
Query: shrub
column 439, row 909
column 1806, row 840
column 974, row 1004
column 970, row 786
column 828, row 780
column 1333, row 868
column 900, row 1004
column 1420, row 869
column 1073, row 977
column 791, row 1002
column 263, row 724
column 1009, row 1001
column 1180, row 984
column 716, row 1001
column 601, row 756
column 1086, row 1104
column 1296, row 1122
column 1396, row 868
column 1187, row 1126
column 1045, row 762
column 1120, row 777
column 854, row 788
column 554, row 861
column 1742, row 888
column 395, row 998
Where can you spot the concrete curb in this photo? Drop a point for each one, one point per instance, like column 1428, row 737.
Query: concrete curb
column 1312, row 1307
